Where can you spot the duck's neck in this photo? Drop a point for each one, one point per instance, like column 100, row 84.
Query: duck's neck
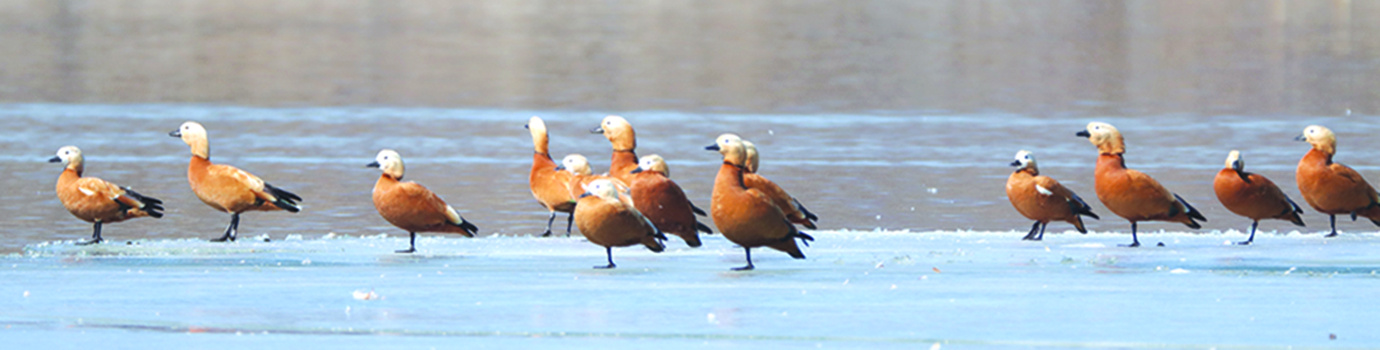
column 68, row 176
column 1107, row 162
column 730, row 174
column 1318, row 156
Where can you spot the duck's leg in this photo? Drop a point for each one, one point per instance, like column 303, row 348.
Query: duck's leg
column 1031, row 236
column 230, row 230
column 749, row 266
column 95, row 237
column 411, row 243
column 1041, row 237
column 569, row 222
column 1135, row 242
column 1252, row 238
column 608, row 251
column 549, row 220
column 1333, row 219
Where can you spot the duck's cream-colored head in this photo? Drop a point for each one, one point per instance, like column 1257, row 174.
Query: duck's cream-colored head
column 390, row 162
column 69, row 156
column 576, row 164
column 619, row 132
column 1321, row 138
column 1025, row 160
column 194, row 135
column 602, row 188
column 652, row 163
column 540, row 139
column 731, row 147
column 750, row 150
column 1105, row 136
column 1234, row 161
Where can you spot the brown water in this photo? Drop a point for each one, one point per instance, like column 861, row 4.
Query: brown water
column 1060, row 58
column 876, row 114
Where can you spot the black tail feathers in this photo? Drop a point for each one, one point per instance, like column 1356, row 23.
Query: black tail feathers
column 804, row 237
column 697, row 210
column 808, row 215
column 153, row 206
column 700, row 226
column 468, row 227
column 286, row 200
column 1193, row 212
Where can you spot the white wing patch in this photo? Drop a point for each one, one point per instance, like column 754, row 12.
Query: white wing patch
column 453, row 216
column 1043, row 190
column 86, row 191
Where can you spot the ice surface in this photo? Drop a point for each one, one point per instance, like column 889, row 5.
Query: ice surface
column 857, row 289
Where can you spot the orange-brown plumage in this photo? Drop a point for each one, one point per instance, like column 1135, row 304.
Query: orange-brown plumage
column 549, row 186
column 1252, row 195
column 1333, row 188
column 609, row 219
column 1131, row 194
column 98, row 201
column 411, row 206
column 663, row 202
column 624, row 142
column 1042, row 198
column 226, row 188
column 795, row 212
column 581, row 175
column 747, row 216
column 779, row 197
column 1135, row 196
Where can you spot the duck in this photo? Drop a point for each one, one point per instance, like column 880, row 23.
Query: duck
column 98, row 201
column 549, row 186
column 581, row 174
column 663, row 202
column 1252, row 195
column 1043, row 199
column 411, row 206
column 624, row 141
column 1131, row 194
column 795, row 212
column 609, row 219
column 746, row 216
column 1333, row 188
column 226, row 188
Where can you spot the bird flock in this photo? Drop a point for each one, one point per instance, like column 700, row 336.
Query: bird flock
column 637, row 203
column 1330, row 188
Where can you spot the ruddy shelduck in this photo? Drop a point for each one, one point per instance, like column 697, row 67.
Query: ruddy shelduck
column 609, row 219
column 1043, row 199
column 663, row 202
column 1252, row 195
column 411, row 206
column 227, row 188
column 1131, row 194
column 98, row 201
column 747, row 216
column 624, row 141
column 549, row 186
column 1333, row 188
column 581, row 174
column 795, row 212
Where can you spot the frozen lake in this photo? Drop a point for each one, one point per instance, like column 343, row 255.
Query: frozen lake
column 873, row 289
